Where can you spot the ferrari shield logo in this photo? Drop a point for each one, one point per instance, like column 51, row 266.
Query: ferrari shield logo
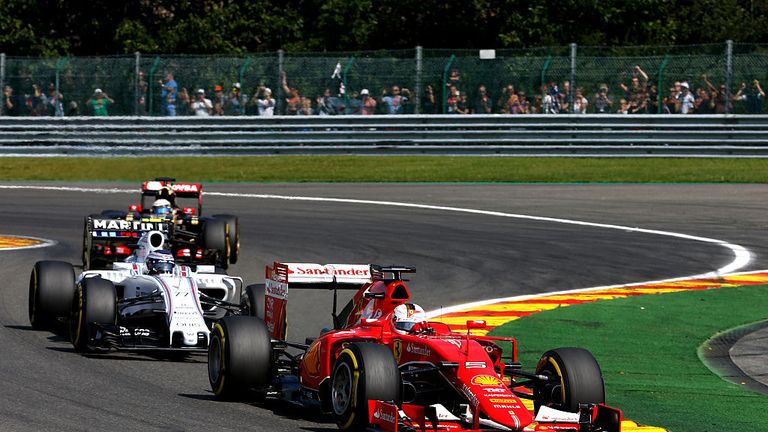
column 398, row 350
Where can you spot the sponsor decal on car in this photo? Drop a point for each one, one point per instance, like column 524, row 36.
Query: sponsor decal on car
column 494, row 390
column 503, row 400
column 474, row 365
column 124, row 225
column 470, row 396
column 486, row 380
column 385, row 416
column 418, row 350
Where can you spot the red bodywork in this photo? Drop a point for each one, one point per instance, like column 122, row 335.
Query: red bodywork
column 472, row 364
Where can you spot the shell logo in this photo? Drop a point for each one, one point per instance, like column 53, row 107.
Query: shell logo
column 486, row 380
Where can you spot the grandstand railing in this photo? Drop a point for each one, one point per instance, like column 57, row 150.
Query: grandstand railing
column 545, row 135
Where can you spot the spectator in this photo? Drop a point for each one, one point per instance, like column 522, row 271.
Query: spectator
column 521, row 105
column 306, row 107
column 670, row 101
column 639, row 103
column 218, row 101
column 462, row 107
column 454, row 79
column 483, row 103
column 369, row 103
column 354, row 105
column 73, row 110
column 99, row 103
column 168, row 95
column 511, row 105
column 55, row 104
column 452, row 101
column 538, row 105
column 623, row 107
column 555, row 98
column 703, row 103
column 685, row 99
column 502, row 105
column 202, row 106
column 580, row 103
column 266, row 104
column 603, row 102
column 653, row 99
column 37, row 102
column 325, row 104
column 10, row 103
column 183, row 103
column 393, row 102
column 752, row 97
column 293, row 99
column 635, row 86
column 718, row 96
column 234, row 105
column 564, row 98
column 429, row 105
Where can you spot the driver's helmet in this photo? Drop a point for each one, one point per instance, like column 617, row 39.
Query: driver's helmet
column 407, row 315
column 160, row 262
column 161, row 207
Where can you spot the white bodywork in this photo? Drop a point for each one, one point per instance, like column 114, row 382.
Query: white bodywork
column 180, row 292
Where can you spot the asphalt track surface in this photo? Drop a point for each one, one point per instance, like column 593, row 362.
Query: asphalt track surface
column 460, row 258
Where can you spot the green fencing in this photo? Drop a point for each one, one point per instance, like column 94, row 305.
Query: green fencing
column 435, row 80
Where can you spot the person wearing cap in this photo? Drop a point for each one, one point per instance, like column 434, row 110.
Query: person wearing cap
column 685, row 100
column 603, row 102
column 99, row 103
column 265, row 104
column 369, row 103
column 235, row 103
column 218, row 100
column 201, row 106
column 168, row 94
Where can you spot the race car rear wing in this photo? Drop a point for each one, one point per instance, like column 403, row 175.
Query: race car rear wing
column 280, row 276
column 121, row 229
column 168, row 188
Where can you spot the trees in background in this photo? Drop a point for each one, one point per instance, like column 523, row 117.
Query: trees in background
column 103, row 27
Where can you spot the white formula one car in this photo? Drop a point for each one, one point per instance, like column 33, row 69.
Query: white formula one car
column 144, row 303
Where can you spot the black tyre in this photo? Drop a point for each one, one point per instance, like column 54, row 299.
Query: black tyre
column 215, row 236
column 51, row 289
column 239, row 358
column 363, row 372
column 233, row 236
column 95, row 303
column 575, row 379
column 253, row 300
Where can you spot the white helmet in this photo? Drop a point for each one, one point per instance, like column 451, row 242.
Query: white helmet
column 161, row 207
column 160, row 262
column 408, row 315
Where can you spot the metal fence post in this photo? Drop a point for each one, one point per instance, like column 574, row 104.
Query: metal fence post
column 2, row 80
column 445, row 82
column 280, row 72
column 137, row 91
column 573, row 77
column 417, row 85
column 728, row 74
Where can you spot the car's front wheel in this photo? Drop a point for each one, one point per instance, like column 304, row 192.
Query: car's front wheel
column 574, row 378
column 239, row 357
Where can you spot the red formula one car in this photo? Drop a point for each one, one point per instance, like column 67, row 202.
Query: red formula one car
column 371, row 374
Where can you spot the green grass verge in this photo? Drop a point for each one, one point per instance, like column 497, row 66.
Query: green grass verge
column 389, row 169
column 647, row 349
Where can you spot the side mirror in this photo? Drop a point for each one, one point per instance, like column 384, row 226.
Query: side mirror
column 476, row 325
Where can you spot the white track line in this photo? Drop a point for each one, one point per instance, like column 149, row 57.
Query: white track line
column 741, row 256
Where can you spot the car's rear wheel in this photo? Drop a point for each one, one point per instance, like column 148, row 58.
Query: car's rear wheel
column 575, row 378
column 233, row 236
column 95, row 303
column 215, row 236
column 51, row 288
column 363, row 372
column 253, row 301
column 239, row 358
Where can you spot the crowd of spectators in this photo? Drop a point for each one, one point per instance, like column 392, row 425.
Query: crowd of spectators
column 640, row 95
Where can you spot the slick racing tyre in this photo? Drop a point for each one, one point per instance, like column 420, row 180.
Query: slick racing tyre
column 215, row 236
column 239, row 358
column 233, row 236
column 575, row 378
column 95, row 303
column 51, row 288
column 363, row 372
column 253, row 301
